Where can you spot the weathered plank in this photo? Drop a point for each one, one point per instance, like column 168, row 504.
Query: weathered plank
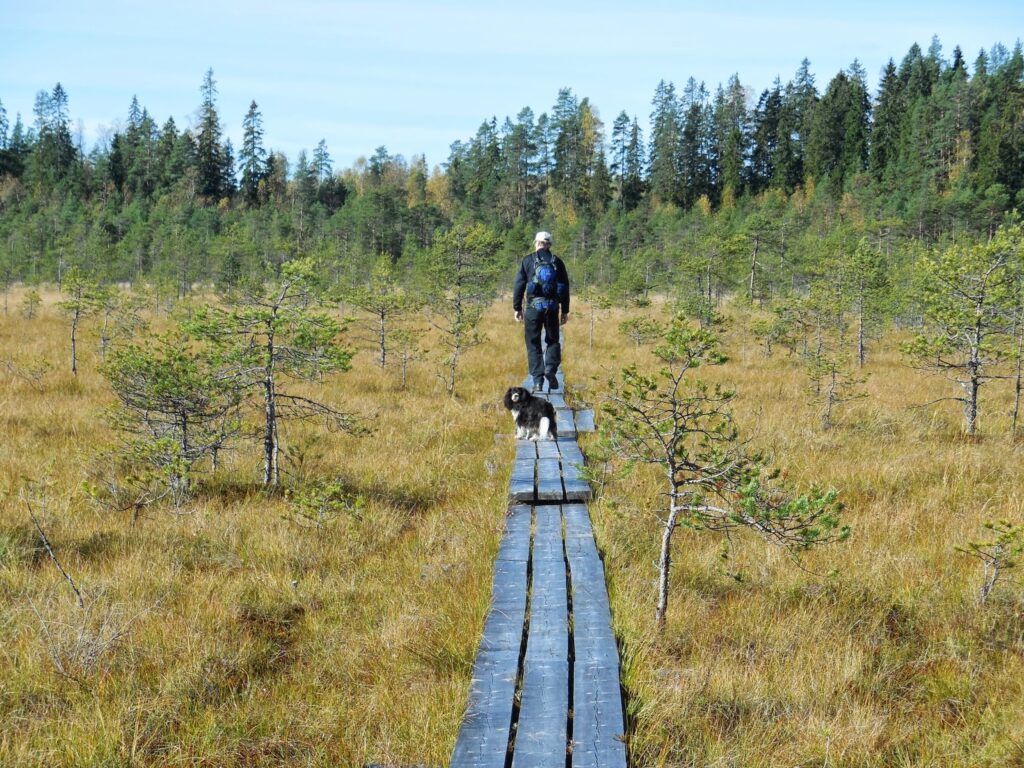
column 565, row 423
column 598, row 722
column 541, row 738
column 549, row 449
column 576, row 487
column 549, row 480
column 515, row 543
column 585, row 421
column 484, row 736
column 522, row 483
column 570, row 453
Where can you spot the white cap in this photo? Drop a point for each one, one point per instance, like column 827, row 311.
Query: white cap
column 544, row 237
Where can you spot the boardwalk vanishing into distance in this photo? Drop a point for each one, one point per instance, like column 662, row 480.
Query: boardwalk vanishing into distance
column 545, row 688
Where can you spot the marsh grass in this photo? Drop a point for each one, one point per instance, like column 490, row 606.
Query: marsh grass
column 251, row 640
column 874, row 652
column 248, row 639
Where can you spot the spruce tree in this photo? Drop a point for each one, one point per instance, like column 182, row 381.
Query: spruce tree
column 252, row 157
column 210, row 152
column 663, row 163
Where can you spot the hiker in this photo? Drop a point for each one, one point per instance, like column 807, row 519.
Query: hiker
column 543, row 282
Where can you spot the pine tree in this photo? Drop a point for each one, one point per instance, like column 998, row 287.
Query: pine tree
column 274, row 334
column 627, row 156
column 967, row 294
column 800, row 99
column 3, row 126
column 322, row 166
column 684, row 428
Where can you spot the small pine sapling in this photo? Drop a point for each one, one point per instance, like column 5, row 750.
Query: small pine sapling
column 273, row 334
column 178, row 405
column 997, row 555
column 967, row 295
column 461, row 275
column 30, row 304
column 684, row 427
column 385, row 301
column 80, row 303
column 641, row 330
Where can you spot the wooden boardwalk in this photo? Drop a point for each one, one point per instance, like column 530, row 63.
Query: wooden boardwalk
column 545, row 688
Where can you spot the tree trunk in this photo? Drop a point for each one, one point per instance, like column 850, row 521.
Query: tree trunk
column 381, row 341
column 861, row 352
column 665, row 564
column 74, row 348
column 971, row 406
column 1017, row 380
column 271, row 476
column 830, row 400
column 753, row 269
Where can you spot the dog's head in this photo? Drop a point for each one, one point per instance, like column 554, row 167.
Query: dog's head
column 515, row 397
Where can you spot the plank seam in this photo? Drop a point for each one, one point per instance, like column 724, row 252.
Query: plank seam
column 571, row 650
column 517, row 696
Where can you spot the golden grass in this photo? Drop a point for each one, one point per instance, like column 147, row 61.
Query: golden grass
column 254, row 642
column 889, row 661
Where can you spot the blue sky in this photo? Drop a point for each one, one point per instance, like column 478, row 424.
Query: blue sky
column 416, row 76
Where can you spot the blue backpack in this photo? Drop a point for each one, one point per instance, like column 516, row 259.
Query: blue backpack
column 545, row 283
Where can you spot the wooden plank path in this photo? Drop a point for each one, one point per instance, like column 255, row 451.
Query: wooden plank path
column 545, row 686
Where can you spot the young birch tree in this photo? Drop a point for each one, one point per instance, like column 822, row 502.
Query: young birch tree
column 684, row 427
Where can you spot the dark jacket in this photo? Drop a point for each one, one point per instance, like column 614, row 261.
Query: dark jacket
column 525, row 276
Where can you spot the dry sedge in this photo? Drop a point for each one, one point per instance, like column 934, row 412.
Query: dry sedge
column 229, row 632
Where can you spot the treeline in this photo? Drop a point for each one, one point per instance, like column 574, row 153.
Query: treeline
column 723, row 192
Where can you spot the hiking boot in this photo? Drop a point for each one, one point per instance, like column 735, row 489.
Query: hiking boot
column 538, row 385
column 552, row 382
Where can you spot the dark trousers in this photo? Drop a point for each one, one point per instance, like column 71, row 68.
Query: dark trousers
column 542, row 361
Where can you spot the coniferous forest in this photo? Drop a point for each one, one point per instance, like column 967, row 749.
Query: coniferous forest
column 726, row 190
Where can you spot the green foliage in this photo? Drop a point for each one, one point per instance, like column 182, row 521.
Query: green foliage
column 385, row 301
column 684, row 427
column 178, row 405
column 967, row 295
column 271, row 334
column 30, row 303
column 721, row 196
column 640, row 330
column 997, row 554
column 462, row 276
column 322, row 505
column 82, row 299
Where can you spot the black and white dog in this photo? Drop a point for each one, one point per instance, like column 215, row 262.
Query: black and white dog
column 534, row 416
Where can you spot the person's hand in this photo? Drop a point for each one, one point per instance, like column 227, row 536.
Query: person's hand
column 519, row 316
column 565, row 318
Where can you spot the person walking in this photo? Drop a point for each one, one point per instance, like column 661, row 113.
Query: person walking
column 540, row 298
